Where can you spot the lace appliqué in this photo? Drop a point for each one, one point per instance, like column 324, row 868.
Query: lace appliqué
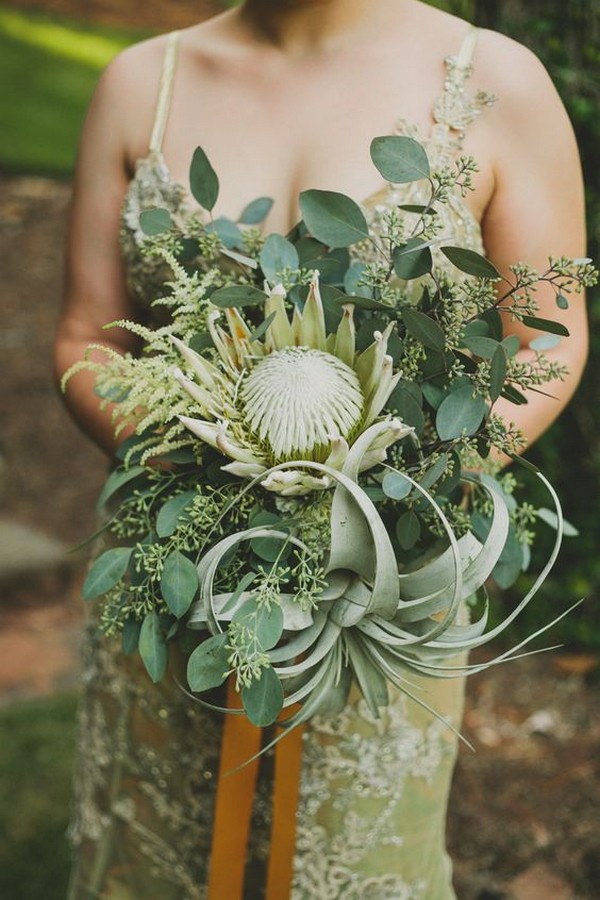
column 151, row 186
column 367, row 787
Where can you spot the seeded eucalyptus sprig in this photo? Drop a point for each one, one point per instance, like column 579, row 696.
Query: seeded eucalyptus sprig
column 322, row 408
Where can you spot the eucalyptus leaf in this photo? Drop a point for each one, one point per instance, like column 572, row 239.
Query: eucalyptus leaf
column 493, row 320
column 171, row 513
column 256, row 211
column 270, row 549
column 333, row 218
column 352, row 280
column 227, row 231
column 237, row 295
column 421, row 327
column 403, row 403
column 155, row 221
column 204, row 183
column 396, row 486
column 106, row 572
column 470, row 262
column 412, row 260
column 546, row 325
column 263, row 698
column 201, row 341
column 509, row 565
column 208, row 665
column 276, row 255
column 511, row 393
column 545, row 342
column 498, row 367
column 400, row 159
column 460, row 413
column 269, row 625
column 550, row 518
column 117, row 480
column 263, row 327
column 130, row 636
column 178, row 583
column 512, row 345
column 484, row 347
column 152, row 647
column 408, row 530
column 435, row 472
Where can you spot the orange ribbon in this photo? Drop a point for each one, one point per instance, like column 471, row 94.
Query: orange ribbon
column 233, row 807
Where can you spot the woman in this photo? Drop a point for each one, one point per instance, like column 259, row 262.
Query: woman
column 284, row 96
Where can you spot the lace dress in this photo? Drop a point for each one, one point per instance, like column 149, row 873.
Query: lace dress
column 373, row 793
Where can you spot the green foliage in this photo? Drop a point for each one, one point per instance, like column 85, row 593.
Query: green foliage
column 52, row 66
column 36, row 763
column 567, row 39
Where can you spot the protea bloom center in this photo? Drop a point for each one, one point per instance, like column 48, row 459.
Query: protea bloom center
column 299, row 394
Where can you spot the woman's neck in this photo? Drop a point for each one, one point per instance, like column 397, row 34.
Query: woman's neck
column 303, row 27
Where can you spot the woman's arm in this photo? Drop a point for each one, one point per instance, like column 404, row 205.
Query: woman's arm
column 537, row 210
column 95, row 290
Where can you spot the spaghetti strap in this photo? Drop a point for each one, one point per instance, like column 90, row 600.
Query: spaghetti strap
column 464, row 60
column 455, row 109
column 165, row 92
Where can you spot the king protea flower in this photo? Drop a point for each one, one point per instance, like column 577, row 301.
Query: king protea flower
column 298, row 394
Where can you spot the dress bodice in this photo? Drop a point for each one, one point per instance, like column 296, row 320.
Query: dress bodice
column 153, row 185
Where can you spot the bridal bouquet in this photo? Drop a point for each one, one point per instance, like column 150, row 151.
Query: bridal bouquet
column 310, row 496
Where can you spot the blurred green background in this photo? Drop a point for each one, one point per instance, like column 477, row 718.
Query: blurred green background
column 49, row 64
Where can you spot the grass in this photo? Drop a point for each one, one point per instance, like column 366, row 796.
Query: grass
column 36, row 764
column 49, row 67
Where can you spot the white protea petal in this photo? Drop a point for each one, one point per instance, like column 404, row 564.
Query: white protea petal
column 376, row 453
column 380, row 394
column 312, row 326
column 295, row 483
column 339, row 452
column 345, row 337
column 208, row 374
column 240, row 336
column 279, row 333
column 295, row 398
column 202, row 397
column 206, row 431
column 222, row 341
column 215, row 435
column 369, row 363
column 244, row 470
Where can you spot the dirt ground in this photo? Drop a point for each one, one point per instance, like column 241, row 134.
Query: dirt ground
column 525, row 807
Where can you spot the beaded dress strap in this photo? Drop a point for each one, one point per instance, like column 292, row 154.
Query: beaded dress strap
column 165, row 92
column 455, row 109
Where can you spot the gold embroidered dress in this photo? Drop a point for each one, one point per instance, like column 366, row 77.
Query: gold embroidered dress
column 373, row 792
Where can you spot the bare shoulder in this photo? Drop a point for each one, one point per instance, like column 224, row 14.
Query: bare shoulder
column 129, row 82
column 514, row 73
